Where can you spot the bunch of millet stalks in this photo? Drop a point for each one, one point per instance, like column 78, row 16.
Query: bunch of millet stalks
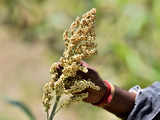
column 79, row 44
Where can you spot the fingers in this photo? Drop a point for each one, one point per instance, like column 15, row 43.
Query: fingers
column 83, row 63
column 59, row 65
column 59, row 69
column 87, row 65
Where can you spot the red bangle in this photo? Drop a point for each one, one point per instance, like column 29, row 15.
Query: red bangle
column 107, row 98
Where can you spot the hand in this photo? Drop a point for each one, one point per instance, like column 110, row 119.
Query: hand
column 94, row 96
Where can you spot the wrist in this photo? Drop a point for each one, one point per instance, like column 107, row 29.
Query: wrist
column 122, row 103
column 108, row 95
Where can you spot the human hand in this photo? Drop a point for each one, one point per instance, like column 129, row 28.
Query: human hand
column 94, row 96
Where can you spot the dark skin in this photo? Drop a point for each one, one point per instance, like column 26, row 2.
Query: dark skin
column 122, row 102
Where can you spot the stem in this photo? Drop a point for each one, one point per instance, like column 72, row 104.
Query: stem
column 54, row 108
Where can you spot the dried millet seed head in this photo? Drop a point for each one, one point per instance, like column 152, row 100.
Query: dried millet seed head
column 81, row 32
column 79, row 44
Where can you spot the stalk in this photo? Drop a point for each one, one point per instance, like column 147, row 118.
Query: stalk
column 54, row 108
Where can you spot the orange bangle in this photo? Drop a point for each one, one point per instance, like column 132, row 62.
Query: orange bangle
column 107, row 98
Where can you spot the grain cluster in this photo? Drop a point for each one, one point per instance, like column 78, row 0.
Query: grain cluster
column 79, row 44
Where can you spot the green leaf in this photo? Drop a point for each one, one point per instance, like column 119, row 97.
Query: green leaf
column 22, row 107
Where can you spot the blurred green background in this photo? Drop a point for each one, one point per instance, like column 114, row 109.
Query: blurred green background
column 128, row 33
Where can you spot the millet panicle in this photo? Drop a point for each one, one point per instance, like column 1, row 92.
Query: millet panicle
column 79, row 44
